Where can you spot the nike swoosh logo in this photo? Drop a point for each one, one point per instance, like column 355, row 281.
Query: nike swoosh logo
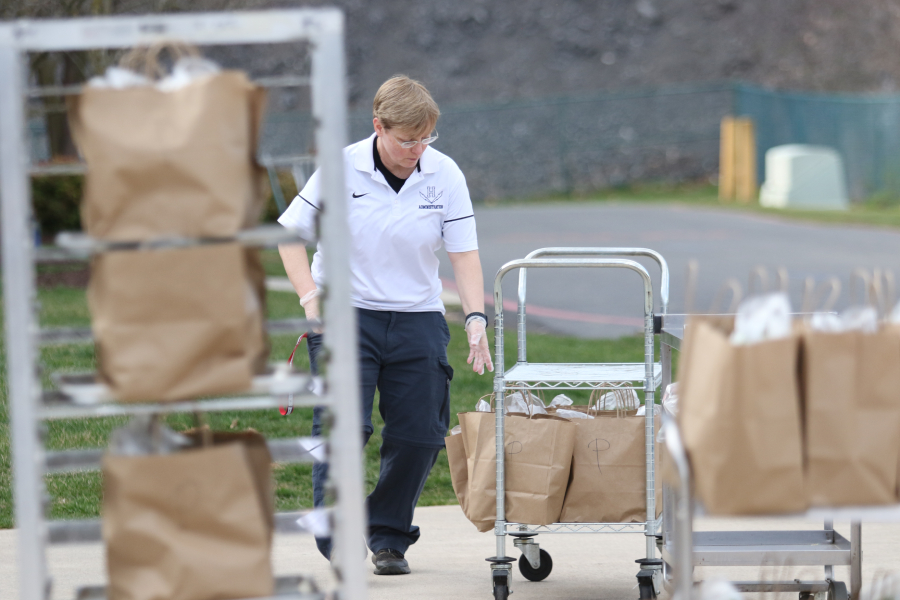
column 360, row 195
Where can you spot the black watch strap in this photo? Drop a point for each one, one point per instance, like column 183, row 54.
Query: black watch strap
column 477, row 314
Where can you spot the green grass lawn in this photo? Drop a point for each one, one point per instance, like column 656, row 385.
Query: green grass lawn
column 78, row 495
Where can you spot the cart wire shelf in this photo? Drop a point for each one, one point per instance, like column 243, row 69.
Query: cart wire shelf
column 579, row 376
column 520, row 528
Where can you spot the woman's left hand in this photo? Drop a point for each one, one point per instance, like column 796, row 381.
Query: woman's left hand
column 470, row 284
column 479, row 351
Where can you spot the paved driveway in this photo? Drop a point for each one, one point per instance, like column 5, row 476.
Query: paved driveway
column 448, row 561
column 726, row 243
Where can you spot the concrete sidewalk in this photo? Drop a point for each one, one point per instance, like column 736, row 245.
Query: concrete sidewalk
column 448, row 562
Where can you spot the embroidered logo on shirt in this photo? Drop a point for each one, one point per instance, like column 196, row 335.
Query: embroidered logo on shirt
column 431, row 197
column 355, row 195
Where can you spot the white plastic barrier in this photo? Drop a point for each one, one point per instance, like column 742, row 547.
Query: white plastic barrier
column 801, row 176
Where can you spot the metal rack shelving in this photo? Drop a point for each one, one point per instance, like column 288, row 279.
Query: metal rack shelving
column 29, row 405
column 295, row 587
column 84, row 335
column 89, row 530
column 60, row 409
column 683, row 548
column 646, row 377
column 290, row 450
column 73, row 245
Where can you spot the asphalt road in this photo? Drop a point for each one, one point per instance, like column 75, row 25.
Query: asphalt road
column 726, row 243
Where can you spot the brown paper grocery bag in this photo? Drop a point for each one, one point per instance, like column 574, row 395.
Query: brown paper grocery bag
column 177, row 163
column 481, row 494
column 258, row 456
column 894, row 329
column 851, row 384
column 608, row 482
column 538, row 461
column 740, row 420
column 456, row 457
column 459, row 477
column 257, row 343
column 186, row 526
column 172, row 324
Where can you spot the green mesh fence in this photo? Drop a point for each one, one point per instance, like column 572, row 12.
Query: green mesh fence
column 562, row 145
column 577, row 144
column 865, row 129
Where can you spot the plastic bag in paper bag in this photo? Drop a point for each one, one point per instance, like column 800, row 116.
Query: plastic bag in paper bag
column 176, row 161
column 851, row 378
column 739, row 414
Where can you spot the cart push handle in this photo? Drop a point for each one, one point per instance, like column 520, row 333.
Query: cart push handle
column 663, row 267
column 607, row 263
column 596, row 252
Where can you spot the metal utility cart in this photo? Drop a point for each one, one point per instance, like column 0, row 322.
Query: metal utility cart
column 30, row 406
column 535, row 564
column 683, row 549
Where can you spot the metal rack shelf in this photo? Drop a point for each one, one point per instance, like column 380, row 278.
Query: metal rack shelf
column 683, row 549
column 100, row 594
column 84, row 335
column 296, row 587
column 56, row 406
column 85, row 389
column 75, row 245
column 774, row 548
column 574, row 376
column 284, row 81
column 322, row 30
column 80, row 168
column 283, row 450
column 84, row 531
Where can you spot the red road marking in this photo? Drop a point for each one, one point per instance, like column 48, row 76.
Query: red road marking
column 554, row 313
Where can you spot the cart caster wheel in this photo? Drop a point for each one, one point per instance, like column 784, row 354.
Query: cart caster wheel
column 838, row 591
column 649, row 577
column 539, row 574
column 647, row 591
column 501, row 588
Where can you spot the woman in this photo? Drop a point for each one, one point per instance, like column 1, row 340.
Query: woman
column 405, row 200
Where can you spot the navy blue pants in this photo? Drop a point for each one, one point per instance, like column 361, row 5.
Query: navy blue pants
column 404, row 356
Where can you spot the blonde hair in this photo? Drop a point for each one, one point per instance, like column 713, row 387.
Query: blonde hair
column 406, row 104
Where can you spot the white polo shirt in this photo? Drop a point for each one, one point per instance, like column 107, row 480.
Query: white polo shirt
column 394, row 236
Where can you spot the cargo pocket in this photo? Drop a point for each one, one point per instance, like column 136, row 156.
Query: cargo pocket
column 447, row 369
column 445, row 405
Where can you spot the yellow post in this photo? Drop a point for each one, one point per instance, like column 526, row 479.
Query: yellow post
column 745, row 161
column 737, row 160
column 726, row 160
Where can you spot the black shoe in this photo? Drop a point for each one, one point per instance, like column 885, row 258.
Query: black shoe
column 390, row 562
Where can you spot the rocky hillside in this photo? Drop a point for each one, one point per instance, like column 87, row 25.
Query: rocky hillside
column 518, row 55
column 489, row 50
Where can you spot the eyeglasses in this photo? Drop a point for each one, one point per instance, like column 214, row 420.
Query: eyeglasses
column 412, row 144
